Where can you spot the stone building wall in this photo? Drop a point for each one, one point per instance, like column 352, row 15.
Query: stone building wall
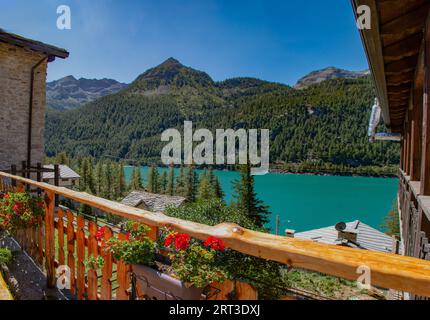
column 15, row 74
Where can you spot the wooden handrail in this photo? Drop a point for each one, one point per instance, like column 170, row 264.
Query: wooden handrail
column 387, row 270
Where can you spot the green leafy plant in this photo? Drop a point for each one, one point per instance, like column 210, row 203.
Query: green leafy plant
column 193, row 262
column 94, row 262
column 137, row 248
column 5, row 256
column 20, row 210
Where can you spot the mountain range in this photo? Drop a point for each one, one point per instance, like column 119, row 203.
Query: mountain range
column 69, row 92
column 320, row 125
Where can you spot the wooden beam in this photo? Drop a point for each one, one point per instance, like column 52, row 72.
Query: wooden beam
column 407, row 136
column 387, row 270
column 416, row 133
column 425, row 160
column 410, row 20
column 401, row 66
column 398, row 79
column 404, row 48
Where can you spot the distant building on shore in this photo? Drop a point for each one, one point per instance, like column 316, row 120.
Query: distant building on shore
column 152, row 201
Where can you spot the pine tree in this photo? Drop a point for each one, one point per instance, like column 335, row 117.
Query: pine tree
column 62, row 158
column 90, row 177
column 215, row 184
column 181, row 189
column 107, row 181
column 136, row 180
column 83, row 172
column 98, row 178
column 170, row 189
column 205, row 190
column 153, row 182
column 191, row 182
column 246, row 198
column 162, row 186
column 121, row 180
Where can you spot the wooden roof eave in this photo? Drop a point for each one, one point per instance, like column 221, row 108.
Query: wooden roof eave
column 372, row 42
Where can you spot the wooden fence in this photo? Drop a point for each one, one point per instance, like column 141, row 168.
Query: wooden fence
column 387, row 270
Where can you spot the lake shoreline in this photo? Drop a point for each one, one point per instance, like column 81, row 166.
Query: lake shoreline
column 306, row 173
column 333, row 173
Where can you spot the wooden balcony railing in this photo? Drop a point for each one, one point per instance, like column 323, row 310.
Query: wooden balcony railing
column 387, row 270
column 415, row 219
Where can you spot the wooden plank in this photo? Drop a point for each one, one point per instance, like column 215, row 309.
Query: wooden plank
column 60, row 233
column 71, row 250
column 92, row 251
column 425, row 160
column 80, row 243
column 416, row 143
column 388, row 270
column 153, row 233
column 40, row 249
column 106, row 290
column 410, row 20
column 245, row 291
column 49, row 238
column 122, row 277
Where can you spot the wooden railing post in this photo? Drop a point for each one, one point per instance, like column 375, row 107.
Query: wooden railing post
column 50, row 239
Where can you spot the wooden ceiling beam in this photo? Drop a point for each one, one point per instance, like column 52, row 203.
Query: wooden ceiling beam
column 402, row 66
column 410, row 20
column 402, row 88
column 404, row 48
column 400, row 79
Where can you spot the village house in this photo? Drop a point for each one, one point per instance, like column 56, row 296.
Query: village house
column 67, row 177
column 354, row 234
column 23, row 68
column 152, row 201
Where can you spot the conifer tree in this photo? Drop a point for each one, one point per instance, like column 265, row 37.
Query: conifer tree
column 98, row 178
column 121, row 180
column 153, row 182
column 107, row 181
column 162, row 188
column 215, row 184
column 181, row 183
column 205, row 190
column 170, row 189
column 136, row 180
column 246, row 198
column 191, row 182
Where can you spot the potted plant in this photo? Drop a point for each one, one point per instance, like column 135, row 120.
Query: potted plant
column 192, row 264
column 20, row 210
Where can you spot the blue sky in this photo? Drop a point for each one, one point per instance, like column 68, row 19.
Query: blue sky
column 272, row 40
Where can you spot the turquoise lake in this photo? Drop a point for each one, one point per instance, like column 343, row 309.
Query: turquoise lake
column 306, row 202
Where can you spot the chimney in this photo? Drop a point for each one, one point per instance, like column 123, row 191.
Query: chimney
column 347, row 234
column 290, row 233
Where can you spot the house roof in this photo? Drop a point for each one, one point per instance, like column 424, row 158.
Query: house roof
column 392, row 46
column 367, row 237
column 153, row 201
column 33, row 45
column 65, row 172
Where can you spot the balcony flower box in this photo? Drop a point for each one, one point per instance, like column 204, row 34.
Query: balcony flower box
column 158, row 285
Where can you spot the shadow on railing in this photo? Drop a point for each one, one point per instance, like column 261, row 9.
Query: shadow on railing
column 66, row 238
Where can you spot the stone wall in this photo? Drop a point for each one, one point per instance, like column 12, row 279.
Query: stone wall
column 15, row 74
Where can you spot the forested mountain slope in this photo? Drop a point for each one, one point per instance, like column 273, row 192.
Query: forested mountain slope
column 324, row 124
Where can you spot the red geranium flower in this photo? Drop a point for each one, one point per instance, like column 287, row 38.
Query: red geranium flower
column 127, row 236
column 100, row 233
column 169, row 239
column 214, row 243
column 16, row 207
column 182, row 241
